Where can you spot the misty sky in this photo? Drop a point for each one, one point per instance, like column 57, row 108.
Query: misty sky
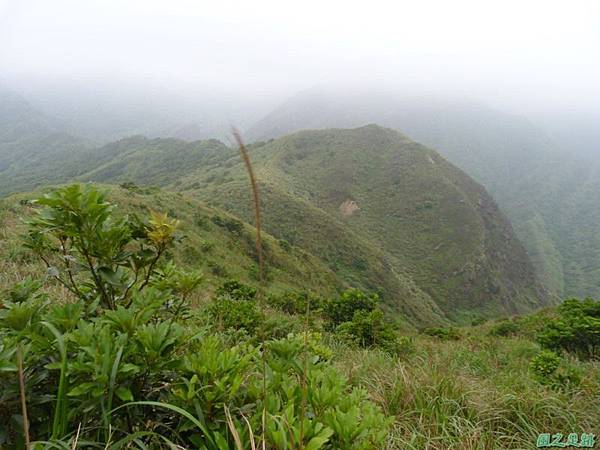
column 528, row 53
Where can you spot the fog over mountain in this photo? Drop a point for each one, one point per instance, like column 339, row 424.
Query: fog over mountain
column 110, row 69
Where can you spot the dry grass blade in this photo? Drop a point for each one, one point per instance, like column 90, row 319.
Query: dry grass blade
column 234, row 432
column 23, row 397
column 76, row 440
column 250, row 433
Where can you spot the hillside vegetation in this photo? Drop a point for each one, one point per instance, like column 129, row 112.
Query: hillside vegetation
column 110, row 339
column 208, row 239
column 424, row 236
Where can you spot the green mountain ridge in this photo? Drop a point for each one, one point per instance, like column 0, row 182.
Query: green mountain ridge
column 152, row 161
column 433, row 223
column 427, row 237
column 34, row 150
column 546, row 192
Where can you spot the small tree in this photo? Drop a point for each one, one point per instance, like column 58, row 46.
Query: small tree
column 93, row 255
column 342, row 308
column 576, row 330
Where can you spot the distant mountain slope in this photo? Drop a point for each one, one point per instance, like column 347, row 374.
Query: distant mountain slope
column 381, row 208
column 515, row 161
column 152, row 161
column 561, row 200
column 33, row 149
column 486, row 143
column 35, row 152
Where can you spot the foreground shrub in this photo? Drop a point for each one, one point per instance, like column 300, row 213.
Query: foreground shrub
column 576, row 330
column 369, row 329
column 341, row 309
column 550, row 369
column 95, row 256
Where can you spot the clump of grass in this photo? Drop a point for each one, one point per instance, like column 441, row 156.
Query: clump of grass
column 476, row 393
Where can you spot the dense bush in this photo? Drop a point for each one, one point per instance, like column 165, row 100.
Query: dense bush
column 550, row 369
column 576, row 329
column 296, row 302
column 232, row 314
column 341, row 309
column 446, row 334
column 505, row 328
column 369, row 329
column 234, row 290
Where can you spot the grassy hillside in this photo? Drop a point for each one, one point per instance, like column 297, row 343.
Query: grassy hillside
column 212, row 241
column 417, row 218
column 539, row 187
column 152, row 161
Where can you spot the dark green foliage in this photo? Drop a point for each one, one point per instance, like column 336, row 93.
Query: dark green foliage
column 478, row 320
column 234, row 307
column 576, row 329
column 445, row 334
column 234, row 290
column 277, row 326
column 368, row 329
column 217, row 269
column 232, row 225
column 130, row 186
column 342, row 309
column 296, row 302
column 285, row 245
column 232, row 314
column 201, row 221
column 505, row 328
column 550, row 369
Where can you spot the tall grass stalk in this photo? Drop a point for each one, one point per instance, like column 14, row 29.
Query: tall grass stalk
column 261, row 280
